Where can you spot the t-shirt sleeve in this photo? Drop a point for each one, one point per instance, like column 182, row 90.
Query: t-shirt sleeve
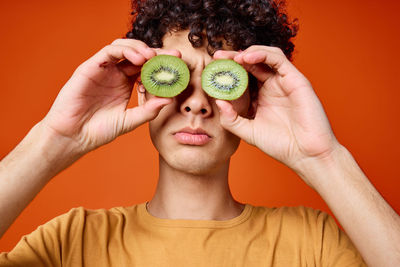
column 49, row 244
column 336, row 248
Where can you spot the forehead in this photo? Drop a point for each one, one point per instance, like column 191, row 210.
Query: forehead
column 195, row 57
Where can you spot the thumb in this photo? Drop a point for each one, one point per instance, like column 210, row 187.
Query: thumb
column 134, row 117
column 234, row 123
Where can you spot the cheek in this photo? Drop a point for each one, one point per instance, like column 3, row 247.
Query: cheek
column 153, row 129
column 232, row 143
column 159, row 125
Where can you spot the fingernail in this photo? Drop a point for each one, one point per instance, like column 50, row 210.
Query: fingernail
column 167, row 101
column 237, row 56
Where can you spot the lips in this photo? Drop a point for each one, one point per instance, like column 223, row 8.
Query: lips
column 195, row 137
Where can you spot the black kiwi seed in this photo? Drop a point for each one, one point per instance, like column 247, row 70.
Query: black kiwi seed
column 165, row 75
column 224, row 79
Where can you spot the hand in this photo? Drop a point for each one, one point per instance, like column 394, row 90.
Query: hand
column 91, row 109
column 290, row 124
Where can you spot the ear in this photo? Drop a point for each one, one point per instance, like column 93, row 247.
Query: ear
column 251, row 113
column 141, row 91
column 254, row 87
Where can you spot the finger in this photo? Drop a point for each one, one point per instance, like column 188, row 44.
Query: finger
column 271, row 56
column 140, row 88
column 134, row 117
column 172, row 52
column 138, row 45
column 126, row 58
column 225, row 54
column 261, row 71
column 128, row 68
column 113, row 54
column 131, row 70
column 234, row 123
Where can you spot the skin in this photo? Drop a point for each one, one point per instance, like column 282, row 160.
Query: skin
column 289, row 125
column 193, row 180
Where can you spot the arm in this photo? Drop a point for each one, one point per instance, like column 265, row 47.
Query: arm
column 90, row 111
column 372, row 225
column 291, row 126
column 27, row 169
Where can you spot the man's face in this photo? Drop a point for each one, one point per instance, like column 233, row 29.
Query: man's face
column 187, row 133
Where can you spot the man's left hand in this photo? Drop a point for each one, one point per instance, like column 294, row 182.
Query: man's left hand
column 290, row 124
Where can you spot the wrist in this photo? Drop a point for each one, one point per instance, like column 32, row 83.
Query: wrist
column 27, row 169
column 315, row 170
column 55, row 151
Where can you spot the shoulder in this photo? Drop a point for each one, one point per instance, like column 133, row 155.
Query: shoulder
column 299, row 221
column 298, row 216
column 63, row 240
column 312, row 229
column 81, row 216
column 78, row 223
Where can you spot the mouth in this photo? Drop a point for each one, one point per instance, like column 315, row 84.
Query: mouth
column 195, row 137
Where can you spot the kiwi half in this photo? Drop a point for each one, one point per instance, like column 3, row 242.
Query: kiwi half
column 165, row 75
column 224, row 79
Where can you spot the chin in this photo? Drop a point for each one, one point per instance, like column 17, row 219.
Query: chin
column 195, row 162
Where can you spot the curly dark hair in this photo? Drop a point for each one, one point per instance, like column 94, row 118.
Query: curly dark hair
column 241, row 23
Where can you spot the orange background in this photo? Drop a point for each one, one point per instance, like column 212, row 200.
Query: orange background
column 347, row 49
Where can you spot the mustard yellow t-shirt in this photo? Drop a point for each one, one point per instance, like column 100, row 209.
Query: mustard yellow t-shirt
column 259, row 236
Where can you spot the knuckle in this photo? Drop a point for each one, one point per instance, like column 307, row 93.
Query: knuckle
column 129, row 42
column 272, row 48
column 259, row 46
column 117, row 41
column 251, row 68
column 279, row 61
column 254, row 47
column 277, row 50
column 103, row 51
column 108, row 48
column 232, row 122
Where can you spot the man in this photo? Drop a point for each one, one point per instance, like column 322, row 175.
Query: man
column 193, row 218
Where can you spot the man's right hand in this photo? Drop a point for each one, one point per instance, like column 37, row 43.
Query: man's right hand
column 91, row 109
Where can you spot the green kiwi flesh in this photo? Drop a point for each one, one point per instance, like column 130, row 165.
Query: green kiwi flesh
column 224, row 79
column 165, row 75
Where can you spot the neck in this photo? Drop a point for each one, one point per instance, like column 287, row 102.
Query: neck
column 182, row 195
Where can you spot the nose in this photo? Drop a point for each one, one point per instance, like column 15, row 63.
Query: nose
column 195, row 101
